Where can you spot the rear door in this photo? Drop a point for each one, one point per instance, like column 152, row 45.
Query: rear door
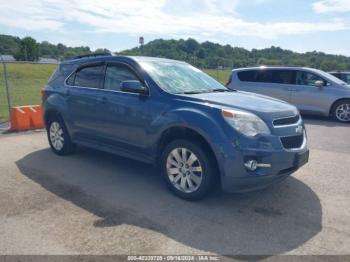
column 85, row 100
column 276, row 83
column 307, row 96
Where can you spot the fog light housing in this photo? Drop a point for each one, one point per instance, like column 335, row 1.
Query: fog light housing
column 251, row 165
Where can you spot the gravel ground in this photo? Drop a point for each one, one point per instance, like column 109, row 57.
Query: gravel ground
column 97, row 203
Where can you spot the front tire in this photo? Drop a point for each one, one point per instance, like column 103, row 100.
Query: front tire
column 187, row 170
column 58, row 137
column 341, row 111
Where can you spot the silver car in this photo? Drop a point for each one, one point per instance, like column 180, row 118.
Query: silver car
column 312, row 91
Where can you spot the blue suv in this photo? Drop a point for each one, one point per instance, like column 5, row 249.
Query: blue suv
column 169, row 113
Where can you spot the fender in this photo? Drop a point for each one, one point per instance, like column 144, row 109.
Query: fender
column 202, row 122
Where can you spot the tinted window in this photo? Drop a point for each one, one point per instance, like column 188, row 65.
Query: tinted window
column 115, row 74
column 60, row 74
column 247, row 76
column 307, row 78
column 70, row 80
column 268, row 76
column 91, row 76
column 283, row 76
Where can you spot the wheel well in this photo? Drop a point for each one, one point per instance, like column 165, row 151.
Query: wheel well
column 174, row 133
column 49, row 114
column 335, row 102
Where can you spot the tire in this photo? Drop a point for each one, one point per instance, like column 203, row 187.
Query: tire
column 59, row 139
column 191, row 180
column 341, row 111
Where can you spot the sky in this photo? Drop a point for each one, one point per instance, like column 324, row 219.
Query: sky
column 299, row 25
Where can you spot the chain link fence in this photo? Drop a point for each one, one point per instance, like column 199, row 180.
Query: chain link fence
column 21, row 83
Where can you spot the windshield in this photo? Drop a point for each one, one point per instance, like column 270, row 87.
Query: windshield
column 181, row 78
column 330, row 77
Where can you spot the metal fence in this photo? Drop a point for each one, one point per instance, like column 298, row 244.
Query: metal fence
column 21, row 82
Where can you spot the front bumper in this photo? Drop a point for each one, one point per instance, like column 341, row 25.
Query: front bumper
column 237, row 178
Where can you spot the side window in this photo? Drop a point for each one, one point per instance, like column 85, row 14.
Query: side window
column 283, row 77
column 61, row 74
column 307, row 78
column 268, row 76
column 247, row 76
column 91, row 76
column 70, row 80
column 115, row 74
column 263, row 76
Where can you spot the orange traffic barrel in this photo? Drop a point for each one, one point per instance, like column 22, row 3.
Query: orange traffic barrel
column 26, row 117
column 20, row 120
column 36, row 116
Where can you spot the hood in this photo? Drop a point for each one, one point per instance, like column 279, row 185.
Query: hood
column 263, row 106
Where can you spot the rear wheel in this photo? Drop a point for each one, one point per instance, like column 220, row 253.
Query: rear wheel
column 59, row 138
column 187, row 170
column 341, row 111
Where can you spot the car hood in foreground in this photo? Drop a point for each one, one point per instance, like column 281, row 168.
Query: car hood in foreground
column 264, row 106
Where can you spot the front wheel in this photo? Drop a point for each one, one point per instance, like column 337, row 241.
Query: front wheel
column 59, row 138
column 187, row 169
column 341, row 111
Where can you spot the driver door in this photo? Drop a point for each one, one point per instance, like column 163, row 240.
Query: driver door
column 127, row 115
column 306, row 95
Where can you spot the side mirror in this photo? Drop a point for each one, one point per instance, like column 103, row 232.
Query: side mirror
column 133, row 86
column 320, row 84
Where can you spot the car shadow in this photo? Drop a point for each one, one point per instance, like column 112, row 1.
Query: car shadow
column 121, row 191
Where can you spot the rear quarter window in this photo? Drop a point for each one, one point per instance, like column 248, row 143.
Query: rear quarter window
column 61, row 73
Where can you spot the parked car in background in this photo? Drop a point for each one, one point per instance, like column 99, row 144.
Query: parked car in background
column 345, row 76
column 312, row 91
column 173, row 115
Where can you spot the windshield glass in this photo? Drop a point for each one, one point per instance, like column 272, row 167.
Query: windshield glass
column 181, row 78
column 330, row 77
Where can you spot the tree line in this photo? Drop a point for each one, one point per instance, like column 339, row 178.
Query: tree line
column 203, row 55
column 28, row 49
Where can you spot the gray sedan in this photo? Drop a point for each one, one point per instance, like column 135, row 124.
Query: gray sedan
column 312, row 91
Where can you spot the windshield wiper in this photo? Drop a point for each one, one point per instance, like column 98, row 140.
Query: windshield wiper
column 190, row 92
column 222, row 90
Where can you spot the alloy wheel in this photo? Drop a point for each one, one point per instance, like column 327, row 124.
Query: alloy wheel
column 56, row 136
column 342, row 112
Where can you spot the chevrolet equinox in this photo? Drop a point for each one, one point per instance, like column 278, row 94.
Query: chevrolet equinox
column 169, row 113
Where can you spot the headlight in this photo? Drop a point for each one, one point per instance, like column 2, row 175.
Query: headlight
column 246, row 123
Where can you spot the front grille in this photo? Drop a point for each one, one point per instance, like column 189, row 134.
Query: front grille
column 290, row 142
column 286, row 121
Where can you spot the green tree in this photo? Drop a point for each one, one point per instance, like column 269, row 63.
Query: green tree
column 29, row 50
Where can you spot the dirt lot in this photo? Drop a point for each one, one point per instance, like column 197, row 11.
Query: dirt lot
column 96, row 203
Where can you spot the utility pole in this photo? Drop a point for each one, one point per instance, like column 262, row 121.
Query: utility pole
column 6, row 86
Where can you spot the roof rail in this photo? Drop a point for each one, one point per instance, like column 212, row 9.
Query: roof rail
column 89, row 55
